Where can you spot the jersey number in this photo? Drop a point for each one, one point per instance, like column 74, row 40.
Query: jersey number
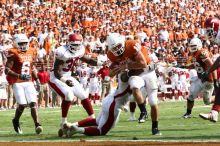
column 69, row 65
column 198, row 67
column 25, row 69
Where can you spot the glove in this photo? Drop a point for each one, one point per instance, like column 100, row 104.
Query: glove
column 25, row 77
column 216, row 85
column 204, row 76
column 69, row 83
column 37, row 85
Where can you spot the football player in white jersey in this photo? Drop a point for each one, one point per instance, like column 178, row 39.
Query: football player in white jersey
column 94, row 84
column 61, row 80
column 83, row 72
column 108, row 116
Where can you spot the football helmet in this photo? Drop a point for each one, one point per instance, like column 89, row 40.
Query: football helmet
column 21, row 42
column 74, row 43
column 195, row 44
column 115, row 43
column 212, row 25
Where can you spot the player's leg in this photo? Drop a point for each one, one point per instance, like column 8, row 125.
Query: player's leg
column 136, row 83
column 30, row 94
column 80, row 93
column 195, row 89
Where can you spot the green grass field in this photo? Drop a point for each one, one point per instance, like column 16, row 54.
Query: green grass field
column 172, row 126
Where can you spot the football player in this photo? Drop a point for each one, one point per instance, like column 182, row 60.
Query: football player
column 130, row 55
column 61, row 80
column 212, row 26
column 109, row 114
column 20, row 68
column 201, row 61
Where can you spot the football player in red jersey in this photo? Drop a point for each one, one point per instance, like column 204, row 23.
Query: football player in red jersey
column 201, row 61
column 20, row 68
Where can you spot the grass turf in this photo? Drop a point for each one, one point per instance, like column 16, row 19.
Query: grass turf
column 172, row 126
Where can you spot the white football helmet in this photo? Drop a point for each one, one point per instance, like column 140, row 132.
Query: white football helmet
column 116, row 43
column 21, row 42
column 74, row 43
column 195, row 44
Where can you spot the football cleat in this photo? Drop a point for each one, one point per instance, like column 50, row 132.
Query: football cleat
column 156, row 131
column 16, row 125
column 132, row 118
column 187, row 116
column 212, row 116
column 72, row 130
column 63, row 129
column 142, row 118
column 38, row 129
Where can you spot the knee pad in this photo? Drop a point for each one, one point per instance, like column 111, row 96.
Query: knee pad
column 32, row 105
column 69, row 96
column 136, row 82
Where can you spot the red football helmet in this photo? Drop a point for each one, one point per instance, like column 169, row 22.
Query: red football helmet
column 74, row 43
column 212, row 25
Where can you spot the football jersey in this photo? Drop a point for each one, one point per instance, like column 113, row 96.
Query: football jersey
column 128, row 55
column 23, row 62
column 198, row 61
column 69, row 59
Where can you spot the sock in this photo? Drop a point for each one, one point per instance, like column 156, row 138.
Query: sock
column 142, row 107
column 87, row 106
column 132, row 106
column 189, row 111
column 216, row 107
column 154, row 124
column 65, row 107
column 87, row 122
column 92, row 131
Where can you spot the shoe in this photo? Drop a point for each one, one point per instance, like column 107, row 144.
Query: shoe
column 72, row 130
column 143, row 117
column 156, row 131
column 63, row 129
column 16, row 125
column 212, row 116
column 186, row 116
column 132, row 118
column 38, row 129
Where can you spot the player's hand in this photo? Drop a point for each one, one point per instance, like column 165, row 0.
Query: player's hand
column 204, row 76
column 25, row 77
column 37, row 85
column 69, row 83
column 216, row 85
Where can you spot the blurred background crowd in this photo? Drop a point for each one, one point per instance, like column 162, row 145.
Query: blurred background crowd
column 164, row 27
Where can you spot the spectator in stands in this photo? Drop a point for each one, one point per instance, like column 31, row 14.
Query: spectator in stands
column 43, row 92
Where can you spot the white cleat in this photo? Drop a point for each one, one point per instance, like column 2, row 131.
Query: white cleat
column 132, row 118
column 212, row 116
column 63, row 129
column 72, row 130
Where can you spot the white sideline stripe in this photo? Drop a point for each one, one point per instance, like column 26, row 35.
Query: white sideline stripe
column 134, row 141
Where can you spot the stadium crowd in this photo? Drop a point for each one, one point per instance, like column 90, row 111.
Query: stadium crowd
column 164, row 27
